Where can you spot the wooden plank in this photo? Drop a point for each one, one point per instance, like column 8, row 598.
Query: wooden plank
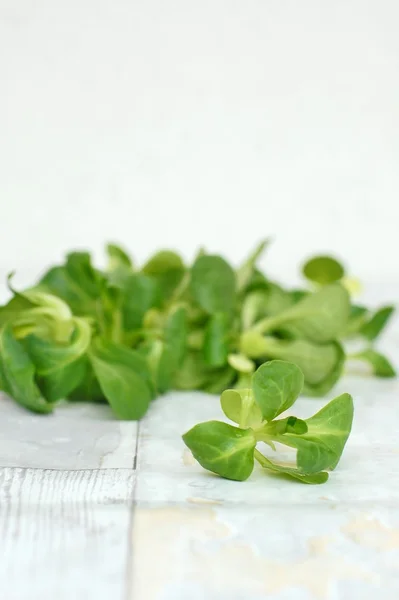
column 268, row 537
column 64, row 534
column 75, row 436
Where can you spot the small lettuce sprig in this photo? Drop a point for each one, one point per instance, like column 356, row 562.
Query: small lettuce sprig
column 231, row 451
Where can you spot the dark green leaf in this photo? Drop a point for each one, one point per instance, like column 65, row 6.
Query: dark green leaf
column 17, row 374
column 131, row 359
column 373, row 328
column 60, row 383
column 216, row 345
column 77, row 283
column 223, row 449
column 88, row 389
column 323, row 270
column 122, row 383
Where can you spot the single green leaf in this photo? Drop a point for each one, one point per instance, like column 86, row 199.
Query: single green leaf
column 321, row 364
column 60, row 383
column 241, row 363
column 291, row 472
column 216, row 345
column 240, row 407
column 167, row 269
column 108, row 351
column 323, row 270
column 122, row 383
column 322, row 387
column 223, row 449
column 17, row 374
column 320, row 317
column 328, row 430
column 213, row 284
column 276, row 386
column 315, row 361
column 380, row 365
column 117, row 258
column 373, row 328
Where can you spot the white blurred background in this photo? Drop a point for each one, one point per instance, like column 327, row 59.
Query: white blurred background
column 214, row 122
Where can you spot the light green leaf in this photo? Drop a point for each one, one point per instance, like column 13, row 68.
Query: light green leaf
column 167, row 269
column 380, row 365
column 276, row 386
column 321, row 364
column 357, row 319
column 280, row 469
column 280, row 426
column 320, row 317
column 118, row 258
column 241, row 363
column 223, row 449
column 328, row 430
column 240, row 407
column 213, row 284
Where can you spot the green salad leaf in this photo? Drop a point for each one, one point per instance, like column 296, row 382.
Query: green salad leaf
column 319, row 440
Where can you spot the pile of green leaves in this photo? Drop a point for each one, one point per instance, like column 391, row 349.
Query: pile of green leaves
column 230, row 451
column 127, row 334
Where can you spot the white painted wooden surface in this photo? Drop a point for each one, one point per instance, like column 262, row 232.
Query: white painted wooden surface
column 94, row 508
